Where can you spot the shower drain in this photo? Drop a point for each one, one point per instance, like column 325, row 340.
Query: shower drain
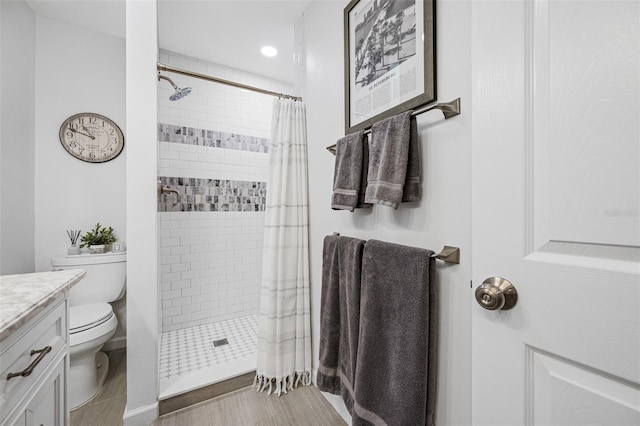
column 220, row 342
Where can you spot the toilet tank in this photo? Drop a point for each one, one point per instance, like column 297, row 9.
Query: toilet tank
column 105, row 280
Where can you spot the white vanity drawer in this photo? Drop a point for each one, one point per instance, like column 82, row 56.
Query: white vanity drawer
column 35, row 346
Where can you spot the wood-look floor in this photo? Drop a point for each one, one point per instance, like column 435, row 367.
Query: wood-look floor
column 304, row 406
column 107, row 408
column 301, row 407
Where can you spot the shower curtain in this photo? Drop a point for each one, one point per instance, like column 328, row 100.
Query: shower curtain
column 284, row 323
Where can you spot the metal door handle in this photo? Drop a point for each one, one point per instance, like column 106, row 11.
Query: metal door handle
column 496, row 293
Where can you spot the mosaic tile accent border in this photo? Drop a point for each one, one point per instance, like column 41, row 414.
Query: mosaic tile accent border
column 212, row 195
column 211, row 138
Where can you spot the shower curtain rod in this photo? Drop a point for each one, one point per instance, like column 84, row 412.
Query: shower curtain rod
column 168, row 68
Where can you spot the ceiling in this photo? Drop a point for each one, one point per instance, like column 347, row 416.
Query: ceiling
column 227, row 32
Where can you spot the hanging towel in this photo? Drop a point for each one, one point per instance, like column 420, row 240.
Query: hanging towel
column 396, row 361
column 412, row 186
column 348, row 172
column 388, row 156
column 364, row 175
column 339, row 316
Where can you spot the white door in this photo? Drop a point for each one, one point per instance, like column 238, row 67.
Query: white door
column 556, row 202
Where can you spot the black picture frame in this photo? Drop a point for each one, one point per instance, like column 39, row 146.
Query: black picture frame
column 389, row 59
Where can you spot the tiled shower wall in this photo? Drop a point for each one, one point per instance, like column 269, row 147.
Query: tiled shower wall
column 212, row 149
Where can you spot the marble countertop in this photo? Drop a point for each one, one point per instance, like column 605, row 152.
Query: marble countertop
column 22, row 296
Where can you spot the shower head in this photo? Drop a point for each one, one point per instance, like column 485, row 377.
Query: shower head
column 179, row 93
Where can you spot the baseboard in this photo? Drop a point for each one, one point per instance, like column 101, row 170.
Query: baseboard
column 335, row 400
column 141, row 416
column 338, row 405
column 115, row 344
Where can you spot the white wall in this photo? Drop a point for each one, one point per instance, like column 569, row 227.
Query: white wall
column 210, row 261
column 443, row 217
column 17, row 138
column 141, row 168
column 77, row 70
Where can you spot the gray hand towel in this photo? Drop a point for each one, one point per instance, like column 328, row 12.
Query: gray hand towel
column 365, row 173
column 396, row 362
column 411, row 189
column 339, row 315
column 388, row 156
column 348, row 172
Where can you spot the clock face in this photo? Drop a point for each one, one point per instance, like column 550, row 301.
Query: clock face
column 91, row 137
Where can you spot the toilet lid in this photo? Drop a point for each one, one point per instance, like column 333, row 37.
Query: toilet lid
column 83, row 317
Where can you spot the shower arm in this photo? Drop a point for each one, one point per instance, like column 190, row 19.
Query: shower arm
column 160, row 76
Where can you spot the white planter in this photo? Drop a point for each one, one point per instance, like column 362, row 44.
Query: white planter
column 96, row 249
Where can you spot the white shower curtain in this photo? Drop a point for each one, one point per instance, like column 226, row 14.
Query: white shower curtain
column 284, row 323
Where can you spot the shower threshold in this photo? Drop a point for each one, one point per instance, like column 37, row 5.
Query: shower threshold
column 189, row 360
column 206, row 376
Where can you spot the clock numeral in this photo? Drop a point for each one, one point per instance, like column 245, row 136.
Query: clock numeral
column 73, row 126
column 80, row 120
column 92, row 155
column 69, row 135
column 112, row 132
column 72, row 144
column 93, row 120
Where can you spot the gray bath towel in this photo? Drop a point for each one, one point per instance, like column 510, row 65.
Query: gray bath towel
column 339, row 315
column 412, row 186
column 388, row 157
column 348, row 172
column 396, row 363
column 363, row 177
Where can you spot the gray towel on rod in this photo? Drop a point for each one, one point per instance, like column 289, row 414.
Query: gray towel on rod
column 388, row 157
column 397, row 346
column 339, row 315
column 412, row 185
column 365, row 172
column 348, row 172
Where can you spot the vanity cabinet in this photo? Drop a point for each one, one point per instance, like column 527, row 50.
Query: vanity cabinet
column 34, row 362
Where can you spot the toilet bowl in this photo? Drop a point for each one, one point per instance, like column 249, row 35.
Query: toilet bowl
column 91, row 320
column 90, row 328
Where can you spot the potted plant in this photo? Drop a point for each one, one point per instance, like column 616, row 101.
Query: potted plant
column 98, row 238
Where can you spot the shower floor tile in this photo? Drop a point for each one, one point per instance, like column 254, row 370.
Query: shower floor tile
column 188, row 358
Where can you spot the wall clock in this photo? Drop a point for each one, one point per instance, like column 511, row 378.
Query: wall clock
column 91, row 137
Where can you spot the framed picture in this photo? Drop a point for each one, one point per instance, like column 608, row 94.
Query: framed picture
column 389, row 56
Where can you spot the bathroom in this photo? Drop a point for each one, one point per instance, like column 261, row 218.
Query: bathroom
column 51, row 79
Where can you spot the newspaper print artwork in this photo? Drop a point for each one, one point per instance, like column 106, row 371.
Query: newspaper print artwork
column 389, row 58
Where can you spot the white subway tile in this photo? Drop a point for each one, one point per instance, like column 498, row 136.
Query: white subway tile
column 179, row 319
column 180, row 284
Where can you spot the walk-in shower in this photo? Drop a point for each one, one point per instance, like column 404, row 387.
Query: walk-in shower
column 213, row 154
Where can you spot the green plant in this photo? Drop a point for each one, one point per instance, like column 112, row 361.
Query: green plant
column 98, row 235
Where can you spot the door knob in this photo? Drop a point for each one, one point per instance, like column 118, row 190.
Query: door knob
column 496, row 293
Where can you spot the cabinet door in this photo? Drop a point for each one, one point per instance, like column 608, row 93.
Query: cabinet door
column 47, row 407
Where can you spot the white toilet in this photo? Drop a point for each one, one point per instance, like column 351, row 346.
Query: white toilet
column 91, row 319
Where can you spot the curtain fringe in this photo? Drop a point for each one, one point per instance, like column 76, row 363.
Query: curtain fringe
column 281, row 385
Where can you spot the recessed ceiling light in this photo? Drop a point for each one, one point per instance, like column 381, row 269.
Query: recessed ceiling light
column 269, row 51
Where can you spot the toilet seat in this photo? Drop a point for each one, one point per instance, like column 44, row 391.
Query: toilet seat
column 88, row 322
column 83, row 317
